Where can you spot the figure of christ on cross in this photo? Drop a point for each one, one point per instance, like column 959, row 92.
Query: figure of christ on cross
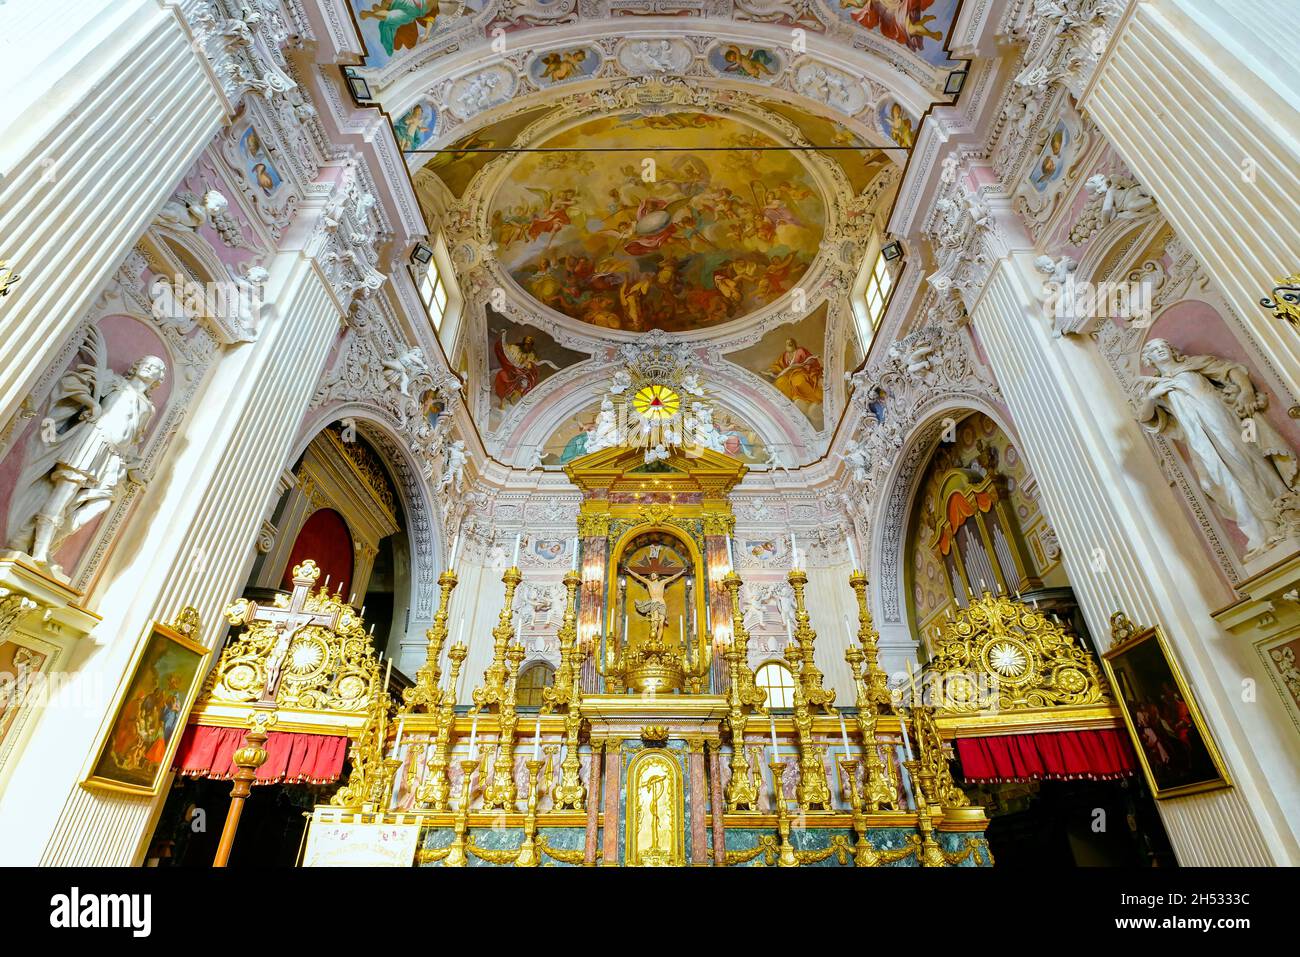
column 655, row 608
column 287, row 622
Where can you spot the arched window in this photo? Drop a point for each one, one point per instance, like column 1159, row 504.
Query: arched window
column 776, row 679
column 528, row 692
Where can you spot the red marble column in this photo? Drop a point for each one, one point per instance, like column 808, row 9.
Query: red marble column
column 593, row 803
column 613, row 762
column 715, row 557
column 719, row 831
column 591, row 604
column 699, row 834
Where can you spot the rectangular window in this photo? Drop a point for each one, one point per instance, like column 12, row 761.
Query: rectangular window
column 870, row 305
column 434, row 294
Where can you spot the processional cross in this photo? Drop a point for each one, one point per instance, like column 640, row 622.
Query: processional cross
column 287, row 622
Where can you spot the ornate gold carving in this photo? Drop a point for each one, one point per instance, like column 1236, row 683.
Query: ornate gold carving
column 367, row 467
column 566, row 692
column 654, row 734
column 1030, row 661
column 424, row 694
column 1286, row 300
column 656, row 821
column 311, row 648
column 812, row 790
column 563, row 856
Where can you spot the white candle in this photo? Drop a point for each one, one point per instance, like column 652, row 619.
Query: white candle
column 731, row 560
column 401, row 726
column 514, row 562
column 455, row 550
column 907, row 742
column 848, row 626
column 907, row 784
column 352, row 599
column 771, row 721
column 853, row 553
column 326, row 586
column 473, row 738
column 844, row 735
column 575, row 553
column 389, row 672
column 794, row 552
column 537, row 737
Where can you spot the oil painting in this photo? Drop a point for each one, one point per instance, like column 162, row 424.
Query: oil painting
column 150, row 713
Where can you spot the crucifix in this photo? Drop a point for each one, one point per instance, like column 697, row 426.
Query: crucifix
column 287, row 622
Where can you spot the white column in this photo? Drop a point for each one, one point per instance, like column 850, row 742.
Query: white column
column 1215, row 142
column 1127, row 545
column 106, row 131
column 191, row 542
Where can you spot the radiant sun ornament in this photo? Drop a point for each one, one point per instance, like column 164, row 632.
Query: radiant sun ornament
column 656, row 402
column 1007, row 659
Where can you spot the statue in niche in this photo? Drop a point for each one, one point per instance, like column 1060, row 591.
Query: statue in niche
column 96, row 422
column 655, row 608
column 453, row 476
column 1242, row 463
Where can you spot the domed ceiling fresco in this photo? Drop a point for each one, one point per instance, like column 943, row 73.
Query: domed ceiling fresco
column 610, row 229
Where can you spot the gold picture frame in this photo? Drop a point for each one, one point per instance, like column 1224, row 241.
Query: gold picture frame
column 150, row 709
column 1172, row 742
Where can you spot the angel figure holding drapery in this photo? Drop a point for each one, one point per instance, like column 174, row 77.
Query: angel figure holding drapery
column 655, row 608
column 95, row 425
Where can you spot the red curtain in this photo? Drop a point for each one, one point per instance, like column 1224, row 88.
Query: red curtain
column 324, row 539
column 290, row 758
column 1095, row 754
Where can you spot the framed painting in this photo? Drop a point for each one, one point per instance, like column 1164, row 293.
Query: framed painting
column 1177, row 753
column 149, row 713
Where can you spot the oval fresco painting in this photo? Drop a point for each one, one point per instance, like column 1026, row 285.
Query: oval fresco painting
column 646, row 238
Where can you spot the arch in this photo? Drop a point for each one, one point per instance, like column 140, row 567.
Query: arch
column 426, row 539
column 783, row 683
column 326, row 539
column 531, row 682
column 889, row 520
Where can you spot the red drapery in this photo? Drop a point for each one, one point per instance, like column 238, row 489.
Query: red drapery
column 1096, row 754
column 961, row 506
column 206, row 752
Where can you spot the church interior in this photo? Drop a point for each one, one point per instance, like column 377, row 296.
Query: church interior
column 650, row 433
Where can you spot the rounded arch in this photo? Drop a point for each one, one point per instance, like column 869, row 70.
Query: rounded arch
column 425, row 535
column 889, row 521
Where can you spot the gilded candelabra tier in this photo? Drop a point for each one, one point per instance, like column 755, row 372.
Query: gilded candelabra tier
column 880, row 790
column 501, row 791
column 435, row 792
column 424, row 694
column 809, row 675
column 935, row 775
column 786, row 856
column 566, row 692
column 495, row 677
column 456, row 858
column 751, row 696
column 812, row 791
column 528, row 856
column 877, row 683
column 366, row 780
column 931, row 855
column 742, row 791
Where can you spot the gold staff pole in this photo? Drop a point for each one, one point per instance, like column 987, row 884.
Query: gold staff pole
column 248, row 758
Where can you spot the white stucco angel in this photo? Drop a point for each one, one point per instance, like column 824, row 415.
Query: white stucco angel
column 701, row 428
column 754, row 604
column 1121, row 198
column 605, row 433
column 91, row 436
column 856, row 457
column 691, row 384
column 1245, row 467
column 775, row 461
column 621, row 383
column 453, row 470
column 189, row 212
column 401, row 369
column 534, row 459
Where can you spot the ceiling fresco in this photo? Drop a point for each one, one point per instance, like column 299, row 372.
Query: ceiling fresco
column 674, row 239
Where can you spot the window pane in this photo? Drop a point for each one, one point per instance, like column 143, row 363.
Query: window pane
column 776, row 679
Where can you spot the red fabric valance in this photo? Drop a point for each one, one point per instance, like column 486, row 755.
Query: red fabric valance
column 961, row 506
column 1096, row 754
column 206, row 752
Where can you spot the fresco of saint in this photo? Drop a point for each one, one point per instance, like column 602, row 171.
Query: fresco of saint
column 798, row 374
column 520, row 369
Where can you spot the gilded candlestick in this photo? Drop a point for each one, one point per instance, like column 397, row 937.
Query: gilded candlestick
column 877, row 683
column 435, row 792
column 787, row 857
column 495, row 677
column 424, row 695
column 501, row 791
column 528, row 856
column 809, row 675
column 880, row 792
column 812, row 790
column 751, row 696
column 742, row 793
column 456, row 858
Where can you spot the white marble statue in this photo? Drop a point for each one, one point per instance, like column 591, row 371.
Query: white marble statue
column 1245, row 467
column 96, row 423
column 479, row 92
column 453, row 473
column 654, row 56
column 190, row 212
column 1056, row 270
column 605, row 434
column 534, row 460
column 703, row 432
column 1121, row 198
column 691, row 384
column 774, row 460
column 622, row 382
column 753, row 615
column 856, row 457
column 401, row 369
